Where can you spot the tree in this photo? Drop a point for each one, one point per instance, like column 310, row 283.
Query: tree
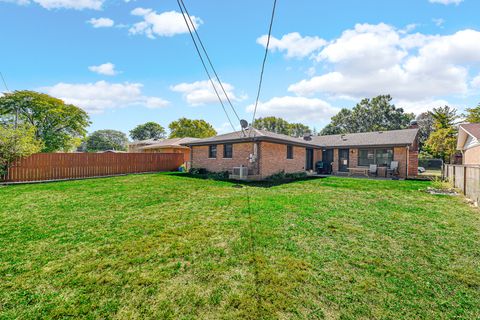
column 16, row 143
column 376, row 114
column 272, row 124
column 444, row 117
column 426, row 125
column 299, row 130
column 442, row 142
column 473, row 115
column 184, row 127
column 103, row 140
column 58, row 125
column 281, row 126
column 149, row 130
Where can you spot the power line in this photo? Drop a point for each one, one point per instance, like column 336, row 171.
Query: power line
column 264, row 61
column 4, row 82
column 205, row 66
column 209, row 60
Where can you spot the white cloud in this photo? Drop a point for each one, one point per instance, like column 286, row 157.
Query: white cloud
column 19, row 2
column 100, row 96
column 446, row 2
column 63, row 4
column 294, row 44
column 476, row 82
column 439, row 22
column 165, row 24
column 101, row 22
column 420, row 106
column 295, row 109
column 379, row 59
column 201, row 92
column 107, row 69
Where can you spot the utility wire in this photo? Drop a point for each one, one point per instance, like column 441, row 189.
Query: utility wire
column 205, row 66
column 4, row 82
column 8, row 91
column 264, row 61
column 209, row 60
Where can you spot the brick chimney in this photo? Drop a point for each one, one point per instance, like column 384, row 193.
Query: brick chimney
column 413, row 124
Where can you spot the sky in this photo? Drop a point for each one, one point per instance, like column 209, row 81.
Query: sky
column 127, row 62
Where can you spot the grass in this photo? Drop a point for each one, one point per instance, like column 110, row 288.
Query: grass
column 166, row 246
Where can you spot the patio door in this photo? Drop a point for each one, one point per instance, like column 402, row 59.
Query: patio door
column 309, row 159
column 343, row 160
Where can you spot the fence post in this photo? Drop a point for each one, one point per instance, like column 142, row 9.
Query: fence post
column 465, row 180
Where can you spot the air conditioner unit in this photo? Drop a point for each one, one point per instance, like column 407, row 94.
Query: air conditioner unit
column 240, row 173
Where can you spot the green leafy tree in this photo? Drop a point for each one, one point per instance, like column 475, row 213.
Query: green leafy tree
column 58, row 125
column 298, row 130
column 444, row 117
column 281, row 126
column 149, row 130
column 103, row 140
column 376, row 114
column 272, row 124
column 473, row 115
column 184, row 127
column 443, row 141
column 426, row 125
column 16, row 143
column 442, row 144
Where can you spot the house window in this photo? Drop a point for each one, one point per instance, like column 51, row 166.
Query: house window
column 212, row 151
column 289, row 152
column 380, row 157
column 228, row 150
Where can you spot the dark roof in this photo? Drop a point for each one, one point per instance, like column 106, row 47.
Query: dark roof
column 379, row 138
column 174, row 142
column 472, row 128
column 253, row 135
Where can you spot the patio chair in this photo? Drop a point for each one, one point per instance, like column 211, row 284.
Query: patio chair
column 373, row 170
column 393, row 170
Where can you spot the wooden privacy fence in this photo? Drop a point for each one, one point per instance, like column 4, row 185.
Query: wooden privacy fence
column 465, row 178
column 60, row 166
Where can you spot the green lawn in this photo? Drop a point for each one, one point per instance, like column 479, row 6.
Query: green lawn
column 167, row 246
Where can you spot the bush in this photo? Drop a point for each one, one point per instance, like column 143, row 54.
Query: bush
column 204, row 173
column 198, row 171
column 281, row 176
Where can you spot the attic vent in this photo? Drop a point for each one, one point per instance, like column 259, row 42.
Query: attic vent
column 380, row 131
column 343, row 137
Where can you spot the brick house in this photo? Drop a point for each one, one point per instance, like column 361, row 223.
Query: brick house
column 468, row 142
column 174, row 145
column 265, row 153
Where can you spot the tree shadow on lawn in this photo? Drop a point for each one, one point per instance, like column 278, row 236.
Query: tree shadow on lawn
column 241, row 183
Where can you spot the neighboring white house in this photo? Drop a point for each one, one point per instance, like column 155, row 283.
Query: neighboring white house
column 468, row 143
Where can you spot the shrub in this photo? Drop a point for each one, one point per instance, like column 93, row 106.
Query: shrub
column 205, row 174
column 281, row 176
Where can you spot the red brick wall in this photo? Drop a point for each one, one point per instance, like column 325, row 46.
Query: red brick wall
column 413, row 163
column 241, row 153
column 273, row 159
column 335, row 161
column 353, row 158
column 400, row 155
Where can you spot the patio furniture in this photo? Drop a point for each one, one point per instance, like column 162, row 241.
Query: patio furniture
column 373, row 170
column 358, row 170
column 393, row 169
column 323, row 167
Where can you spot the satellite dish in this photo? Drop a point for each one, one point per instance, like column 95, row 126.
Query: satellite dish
column 244, row 124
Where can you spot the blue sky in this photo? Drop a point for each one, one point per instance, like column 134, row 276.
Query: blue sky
column 128, row 62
